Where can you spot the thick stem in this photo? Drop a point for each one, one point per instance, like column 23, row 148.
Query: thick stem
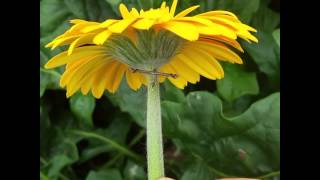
column 154, row 131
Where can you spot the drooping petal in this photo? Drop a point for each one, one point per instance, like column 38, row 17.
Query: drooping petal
column 78, row 53
column 223, row 39
column 144, row 24
column 189, row 61
column 86, row 39
column 100, row 38
column 133, row 79
column 182, row 29
column 179, row 82
column 75, row 82
column 103, row 77
column 187, row 11
column 219, row 51
column 202, row 60
column 116, row 78
column 90, row 77
column 122, row 25
column 185, row 71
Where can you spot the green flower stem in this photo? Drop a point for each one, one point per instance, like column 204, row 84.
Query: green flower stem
column 154, row 131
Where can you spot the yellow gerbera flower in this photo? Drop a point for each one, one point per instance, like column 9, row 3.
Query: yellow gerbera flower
column 177, row 47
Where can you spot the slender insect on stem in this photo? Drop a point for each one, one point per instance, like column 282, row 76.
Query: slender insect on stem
column 155, row 73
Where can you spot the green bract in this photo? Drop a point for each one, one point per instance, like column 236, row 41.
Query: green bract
column 150, row 51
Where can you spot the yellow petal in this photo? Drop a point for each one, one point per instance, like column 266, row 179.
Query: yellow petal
column 108, row 23
column 163, row 5
column 202, row 61
column 100, row 38
column 87, row 39
column 182, row 29
column 75, row 82
column 124, row 11
column 195, row 66
column 62, row 41
column 133, row 79
column 116, row 78
column 122, row 25
column 134, row 12
column 187, row 11
column 215, row 65
column 195, row 20
column 102, row 78
column 144, row 24
column 179, row 82
column 185, row 71
column 173, row 7
column 218, row 12
column 77, row 21
column 217, row 29
column 72, row 68
column 78, row 53
column 223, row 39
column 219, row 51
column 89, row 79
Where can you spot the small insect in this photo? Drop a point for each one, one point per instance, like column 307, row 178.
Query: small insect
column 242, row 154
column 155, row 73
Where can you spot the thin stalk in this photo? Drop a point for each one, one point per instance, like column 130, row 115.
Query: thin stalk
column 154, row 130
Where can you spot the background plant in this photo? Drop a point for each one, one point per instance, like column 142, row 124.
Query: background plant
column 212, row 129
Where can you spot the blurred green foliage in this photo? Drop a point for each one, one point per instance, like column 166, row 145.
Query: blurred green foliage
column 226, row 128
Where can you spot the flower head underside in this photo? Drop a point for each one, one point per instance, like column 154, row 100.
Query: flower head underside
column 158, row 40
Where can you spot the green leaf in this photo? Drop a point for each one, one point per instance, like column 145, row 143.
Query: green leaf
column 133, row 171
column 111, row 174
column 245, row 9
column 77, row 7
column 266, row 54
column 52, row 13
column 64, row 155
column 43, row 176
column 108, row 141
column 197, row 170
column 130, row 101
column 49, row 79
column 244, row 145
column 265, row 19
column 95, row 147
column 237, row 82
column 276, row 35
column 82, row 107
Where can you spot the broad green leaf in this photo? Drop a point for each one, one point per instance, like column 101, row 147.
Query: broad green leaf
column 130, row 101
column 77, row 8
column 43, row 176
column 276, row 35
column 237, row 82
column 64, row 155
column 197, row 170
column 111, row 174
column 133, row 171
column 145, row 4
column 265, row 19
column 244, row 145
column 52, row 13
column 82, row 107
column 244, row 9
column 117, row 131
column 49, row 79
column 266, row 55
column 121, row 148
column 134, row 102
